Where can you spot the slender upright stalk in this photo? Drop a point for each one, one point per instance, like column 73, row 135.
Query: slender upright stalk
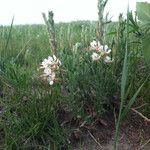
column 69, row 36
column 3, row 53
column 101, row 23
column 51, row 31
column 61, row 38
column 83, row 34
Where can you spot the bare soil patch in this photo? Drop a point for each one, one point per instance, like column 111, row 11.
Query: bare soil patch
column 134, row 135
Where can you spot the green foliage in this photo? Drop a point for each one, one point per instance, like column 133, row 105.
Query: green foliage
column 29, row 118
column 143, row 12
column 88, row 83
column 146, row 48
column 125, row 106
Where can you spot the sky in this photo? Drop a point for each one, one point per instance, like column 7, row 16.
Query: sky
column 29, row 11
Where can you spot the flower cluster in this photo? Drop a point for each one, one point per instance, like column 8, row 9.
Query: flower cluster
column 101, row 52
column 49, row 67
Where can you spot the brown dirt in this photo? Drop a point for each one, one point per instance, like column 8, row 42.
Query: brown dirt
column 133, row 134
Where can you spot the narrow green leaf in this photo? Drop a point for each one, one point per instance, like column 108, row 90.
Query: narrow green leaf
column 132, row 100
column 123, row 83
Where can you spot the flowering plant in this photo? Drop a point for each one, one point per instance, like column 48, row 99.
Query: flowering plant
column 101, row 52
column 49, row 68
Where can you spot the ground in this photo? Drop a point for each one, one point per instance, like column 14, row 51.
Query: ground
column 134, row 135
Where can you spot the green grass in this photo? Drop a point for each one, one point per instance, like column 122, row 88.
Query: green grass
column 29, row 117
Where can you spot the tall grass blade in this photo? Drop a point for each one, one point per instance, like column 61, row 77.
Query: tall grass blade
column 21, row 51
column 9, row 35
column 123, row 83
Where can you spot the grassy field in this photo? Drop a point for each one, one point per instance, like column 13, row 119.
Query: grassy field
column 36, row 115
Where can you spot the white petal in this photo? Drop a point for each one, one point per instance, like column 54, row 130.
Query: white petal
column 54, row 57
column 107, row 59
column 108, row 51
column 105, row 47
column 59, row 63
column 53, row 75
column 47, row 71
column 51, row 82
column 44, row 62
column 50, row 58
column 101, row 47
column 95, row 57
column 98, row 44
column 93, row 44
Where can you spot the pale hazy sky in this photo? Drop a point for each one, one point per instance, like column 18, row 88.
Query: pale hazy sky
column 29, row 11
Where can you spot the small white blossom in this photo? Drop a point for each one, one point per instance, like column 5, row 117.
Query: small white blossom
column 50, row 59
column 49, row 67
column 105, row 50
column 51, row 78
column 108, row 60
column 44, row 63
column 101, row 47
column 95, row 56
column 53, row 75
column 102, row 52
column 47, row 71
column 51, row 82
column 95, row 45
column 105, row 47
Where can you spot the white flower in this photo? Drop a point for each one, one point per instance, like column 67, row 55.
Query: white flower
column 105, row 50
column 101, row 48
column 50, row 59
column 52, row 62
column 51, row 82
column 95, row 57
column 102, row 51
column 105, row 47
column 51, row 78
column 44, row 64
column 47, row 71
column 108, row 60
column 50, row 66
column 53, row 75
column 95, row 45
